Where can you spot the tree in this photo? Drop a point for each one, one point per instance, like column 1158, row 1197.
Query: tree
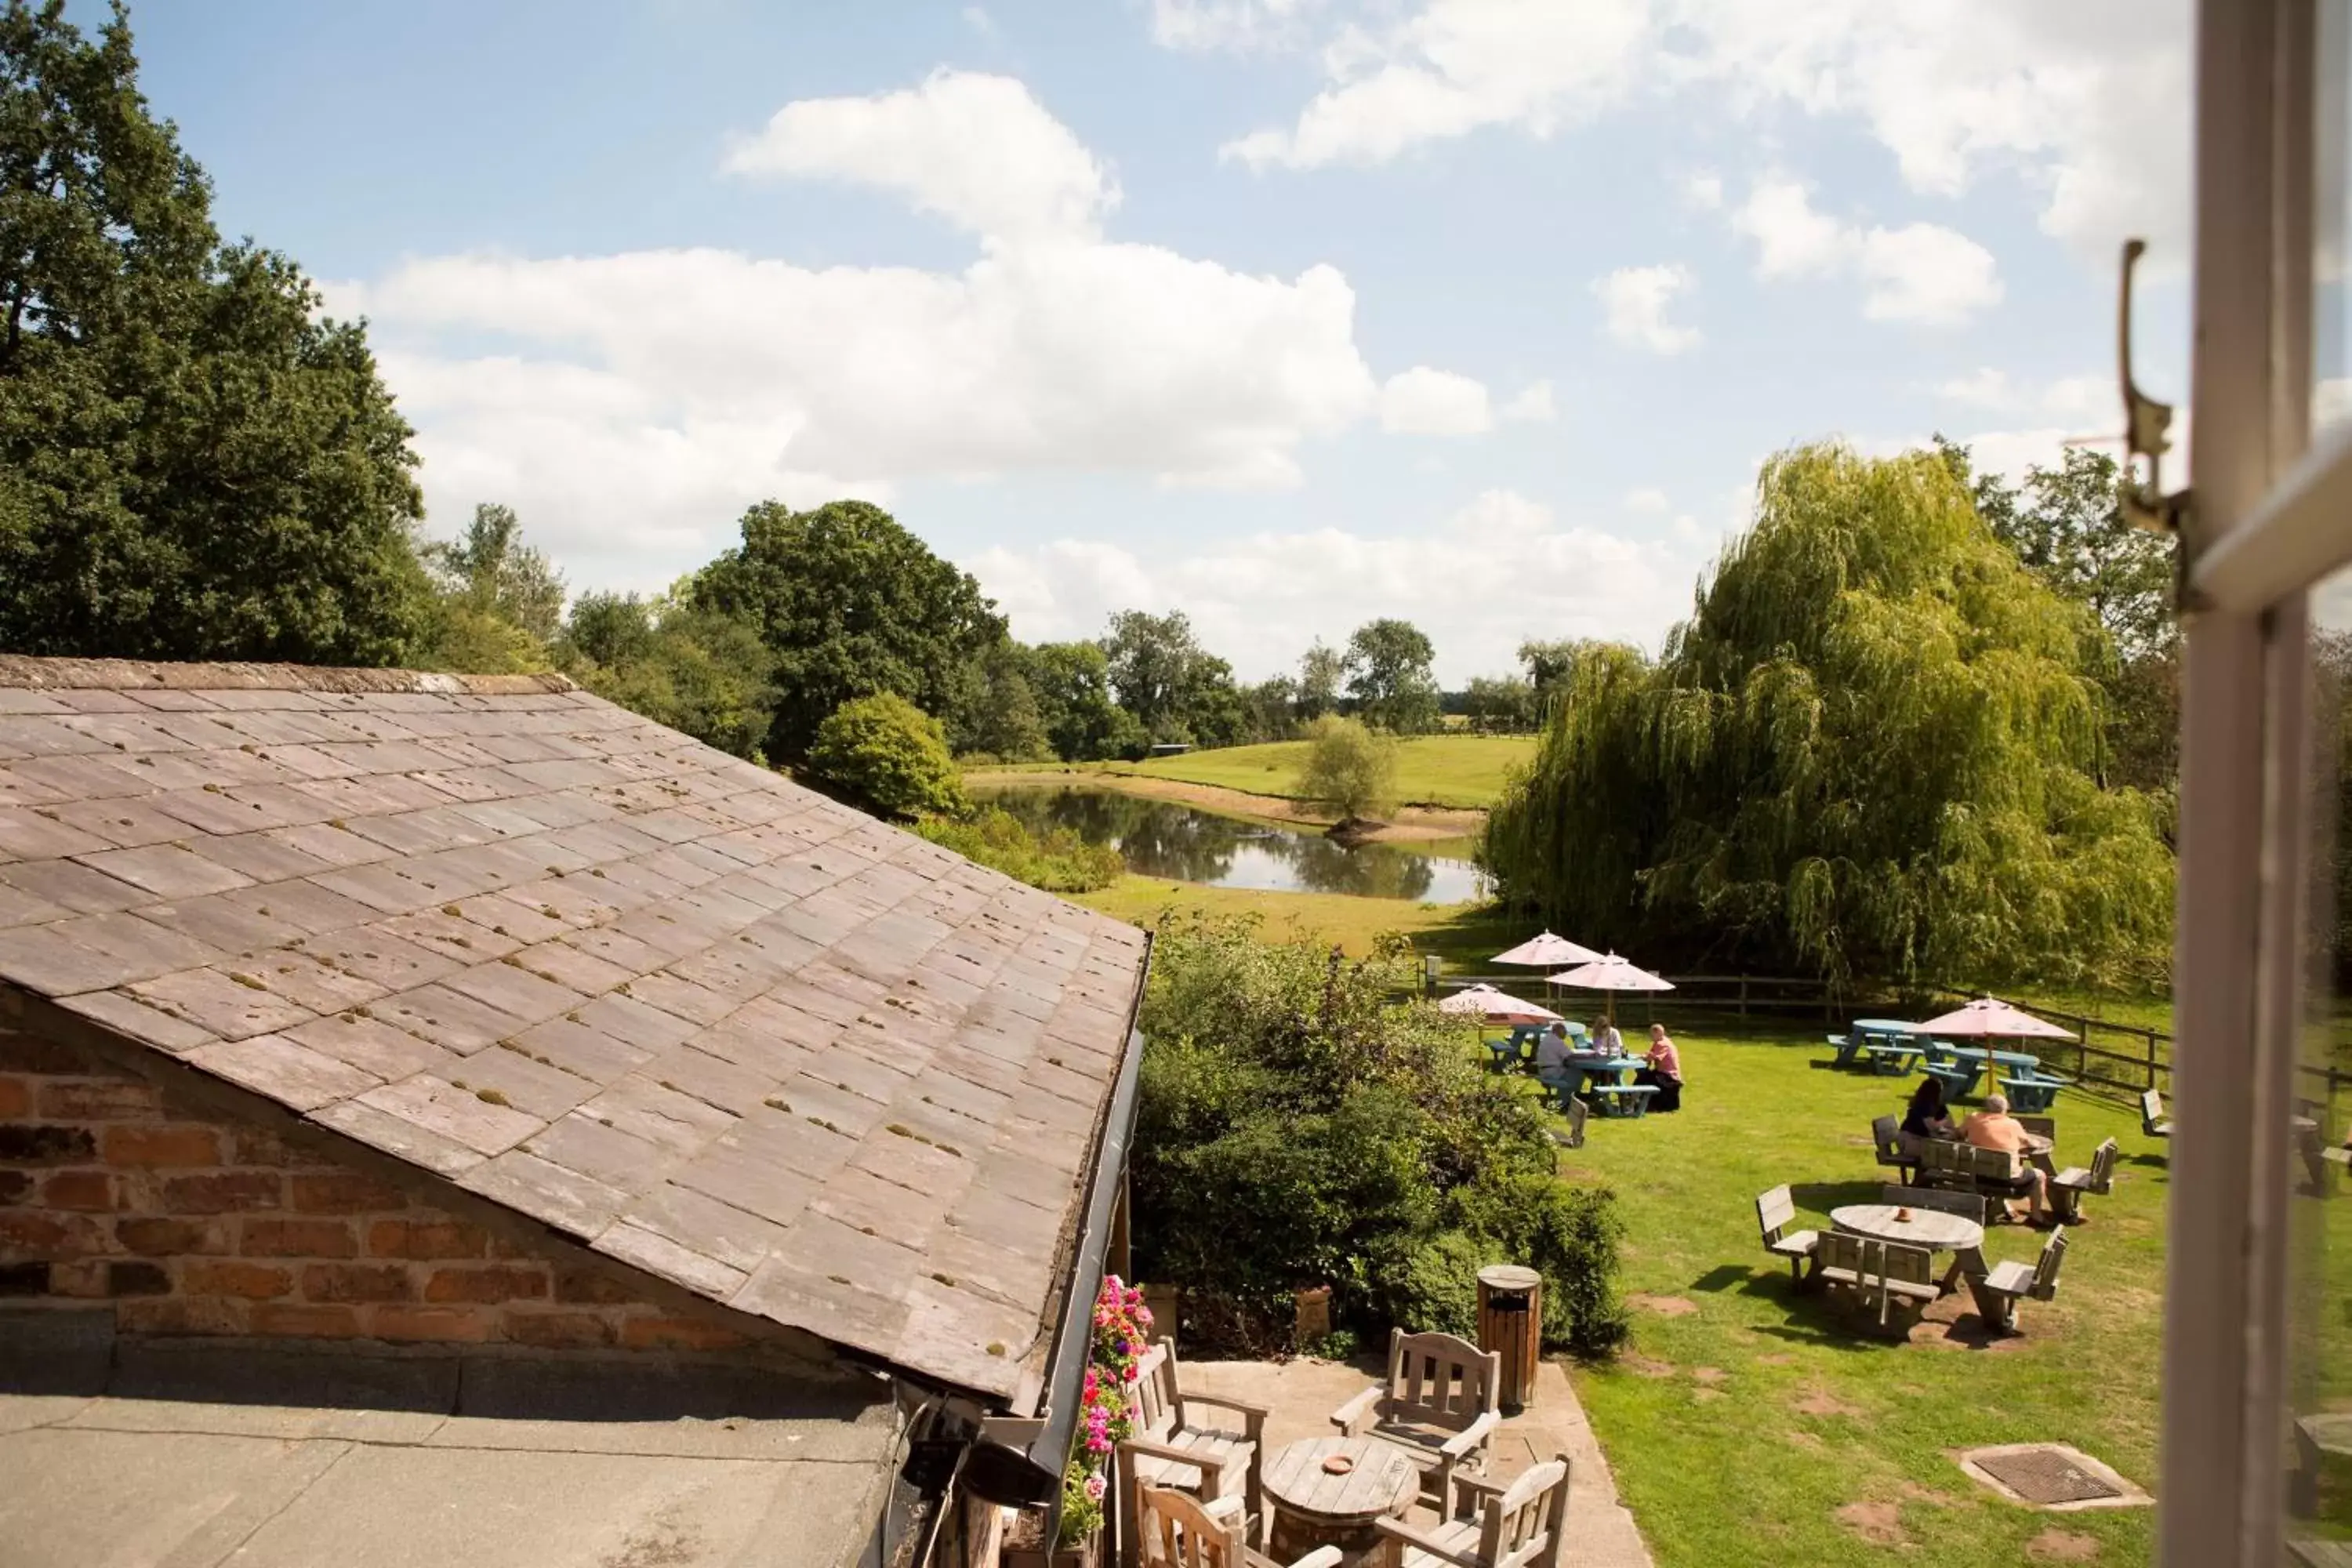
column 849, row 604
column 1350, row 770
column 1071, row 681
column 1389, row 677
column 1322, row 670
column 997, row 710
column 699, row 672
column 886, row 754
column 1499, row 704
column 1270, row 706
column 1868, row 753
column 492, row 569
column 1154, row 669
column 192, row 464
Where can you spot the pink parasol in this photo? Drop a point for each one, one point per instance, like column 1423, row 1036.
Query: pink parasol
column 1990, row 1018
column 1494, row 1005
column 1546, row 950
column 1610, row 974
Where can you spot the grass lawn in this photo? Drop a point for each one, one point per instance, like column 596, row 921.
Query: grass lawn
column 1747, row 1425
column 1463, row 935
column 1458, row 771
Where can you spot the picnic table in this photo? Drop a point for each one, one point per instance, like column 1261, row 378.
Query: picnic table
column 1520, row 1046
column 1893, row 1061
column 1612, row 1090
column 1933, row 1229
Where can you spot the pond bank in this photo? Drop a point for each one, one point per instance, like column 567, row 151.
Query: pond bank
column 1407, row 825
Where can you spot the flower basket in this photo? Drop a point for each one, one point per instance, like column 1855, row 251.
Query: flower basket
column 1086, row 1554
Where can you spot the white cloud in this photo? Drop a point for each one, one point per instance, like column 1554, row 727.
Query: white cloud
column 1245, row 27
column 1928, row 274
column 1457, row 66
column 633, row 405
column 1633, row 305
column 2088, row 402
column 1260, row 600
column 977, row 18
column 1425, row 402
column 1704, row 191
column 1922, row 273
column 1533, row 405
column 1646, row 500
column 977, row 150
column 2080, row 103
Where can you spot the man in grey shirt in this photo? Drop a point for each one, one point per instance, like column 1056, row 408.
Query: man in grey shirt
column 1551, row 1052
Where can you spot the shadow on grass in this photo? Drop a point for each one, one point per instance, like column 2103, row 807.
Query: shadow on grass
column 1723, row 1276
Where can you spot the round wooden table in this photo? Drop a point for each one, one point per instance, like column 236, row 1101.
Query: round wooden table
column 1311, row 1507
column 1931, row 1229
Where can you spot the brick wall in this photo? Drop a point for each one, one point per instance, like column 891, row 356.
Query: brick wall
column 114, row 1189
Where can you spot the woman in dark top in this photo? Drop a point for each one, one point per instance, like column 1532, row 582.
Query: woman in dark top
column 1926, row 1117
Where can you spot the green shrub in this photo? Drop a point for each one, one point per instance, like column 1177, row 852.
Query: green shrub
column 1060, row 861
column 1350, row 770
column 1297, row 1127
column 889, row 755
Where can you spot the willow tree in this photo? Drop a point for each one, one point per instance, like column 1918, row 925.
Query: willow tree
column 1868, row 753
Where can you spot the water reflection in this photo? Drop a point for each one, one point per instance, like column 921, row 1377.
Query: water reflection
column 1163, row 838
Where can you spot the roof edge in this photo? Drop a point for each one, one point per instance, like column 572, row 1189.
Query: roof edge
column 164, row 675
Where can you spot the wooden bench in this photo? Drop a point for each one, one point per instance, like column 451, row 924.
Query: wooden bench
column 1886, row 1133
column 2067, row 1187
column 1168, row 1450
column 1441, row 1405
column 2034, row 1093
column 1958, row 1077
column 1998, row 1293
column 1621, row 1099
column 1848, row 1046
column 1521, row 1524
column 1173, row 1530
column 2317, row 1438
column 2152, row 1119
column 2321, row 1554
column 1892, row 1061
column 1879, row 1273
column 1775, row 1213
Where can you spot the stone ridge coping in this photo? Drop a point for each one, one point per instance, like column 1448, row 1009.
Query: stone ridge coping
column 154, row 675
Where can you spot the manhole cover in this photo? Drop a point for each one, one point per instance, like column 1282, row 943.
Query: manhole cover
column 2051, row 1476
column 2044, row 1475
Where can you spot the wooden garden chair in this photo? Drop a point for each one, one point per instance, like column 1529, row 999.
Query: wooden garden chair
column 1840, row 1261
column 1174, row 1530
column 1167, row 1450
column 2067, row 1187
column 1775, row 1213
column 2152, row 1119
column 1944, row 1163
column 1523, row 1524
column 1998, row 1293
column 1904, row 1280
column 1441, row 1405
column 1886, row 1132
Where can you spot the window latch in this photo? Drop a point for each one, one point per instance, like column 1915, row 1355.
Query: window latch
column 2147, row 426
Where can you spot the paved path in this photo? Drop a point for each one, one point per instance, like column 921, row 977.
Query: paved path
column 1303, row 1394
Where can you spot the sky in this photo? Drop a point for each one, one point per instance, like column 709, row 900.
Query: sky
column 1288, row 315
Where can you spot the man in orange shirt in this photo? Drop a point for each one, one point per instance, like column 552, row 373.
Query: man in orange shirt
column 1995, row 1128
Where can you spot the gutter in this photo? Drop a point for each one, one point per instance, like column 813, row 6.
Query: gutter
column 1019, row 1463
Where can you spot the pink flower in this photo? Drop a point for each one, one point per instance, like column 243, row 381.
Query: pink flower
column 1096, row 1487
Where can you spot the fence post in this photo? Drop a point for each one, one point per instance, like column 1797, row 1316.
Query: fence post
column 2151, row 1058
column 1743, row 998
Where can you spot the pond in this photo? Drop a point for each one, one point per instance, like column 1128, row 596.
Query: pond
column 1182, row 843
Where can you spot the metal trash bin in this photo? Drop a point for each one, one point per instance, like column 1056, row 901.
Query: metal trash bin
column 1510, row 1321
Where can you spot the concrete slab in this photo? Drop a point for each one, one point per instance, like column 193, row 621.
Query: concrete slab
column 172, row 1500
column 1301, row 1394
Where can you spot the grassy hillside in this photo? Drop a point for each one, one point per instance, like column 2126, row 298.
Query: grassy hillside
column 1464, row 771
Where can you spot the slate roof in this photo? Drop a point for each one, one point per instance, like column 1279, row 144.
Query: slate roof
column 664, row 1001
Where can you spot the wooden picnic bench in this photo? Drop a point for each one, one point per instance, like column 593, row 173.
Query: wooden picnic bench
column 2035, row 1092
column 1621, row 1099
column 1877, row 1273
column 1998, row 1291
column 1893, row 1061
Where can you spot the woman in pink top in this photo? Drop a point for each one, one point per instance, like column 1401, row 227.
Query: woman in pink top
column 1664, row 1072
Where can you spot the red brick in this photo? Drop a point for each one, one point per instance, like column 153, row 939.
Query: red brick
column 558, row 1331
column 46, row 1144
column 31, row 1053
column 585, row 1285
column 153, row 1237
column 309, row 1322
column 486, row 1285
column 502, row 1247
column 425, row 1238
column 29, row 1230
column 14, row 1186
column 224, row 1192
column 299, row 1238
column 356, row 1282
column 161, row 1143
column 677, row 1334
column 16, row 1096
column 90, row 1192
column 254, row 1146
column 468, row 1325
column 86, row 1278
column 29, row 1279
column 340, row 1192
column 137, row 1277
column 98, row 1099
column 252, row 1281
column 180, row 1315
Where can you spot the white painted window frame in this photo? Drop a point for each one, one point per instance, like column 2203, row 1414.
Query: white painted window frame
column 2265, row 524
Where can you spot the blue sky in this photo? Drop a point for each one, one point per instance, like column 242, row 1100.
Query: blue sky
column 1287, row 313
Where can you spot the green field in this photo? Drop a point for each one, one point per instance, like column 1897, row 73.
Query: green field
column 1449, row 770
column 1750, row 1424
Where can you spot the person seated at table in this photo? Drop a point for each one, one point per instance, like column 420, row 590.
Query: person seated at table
column 1606, row 1040
column 1552, row 1052
column 1995, row 1128
column 1926, row 1117
column 1664, row 1071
